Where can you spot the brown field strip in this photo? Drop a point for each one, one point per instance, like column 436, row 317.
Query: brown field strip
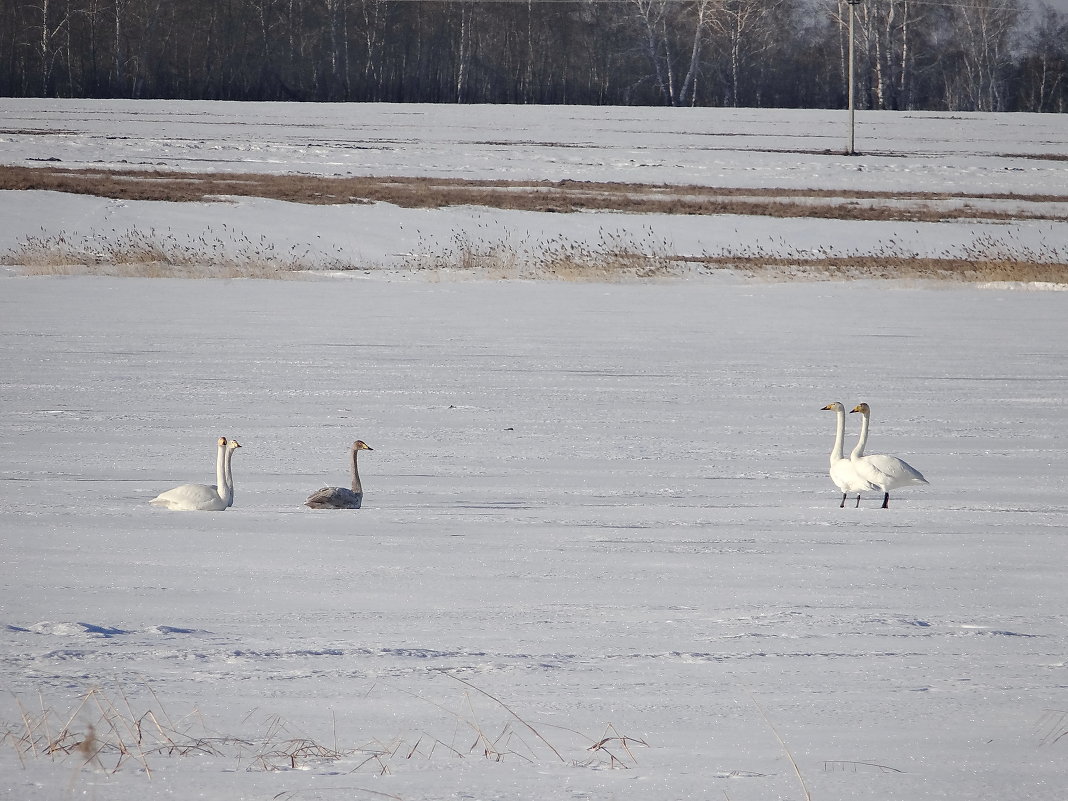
column 543, row 196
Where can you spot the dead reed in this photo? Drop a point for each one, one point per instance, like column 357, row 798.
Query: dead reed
column 154, row 254
column 984, row 260
column 615, row 257
column 105, row 732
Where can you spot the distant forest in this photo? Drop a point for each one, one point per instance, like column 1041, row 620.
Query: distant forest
column 955, row 55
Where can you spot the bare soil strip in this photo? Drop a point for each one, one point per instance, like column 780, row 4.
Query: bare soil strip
column 543, row 196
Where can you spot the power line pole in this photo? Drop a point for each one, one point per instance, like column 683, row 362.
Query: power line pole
column 851, row 151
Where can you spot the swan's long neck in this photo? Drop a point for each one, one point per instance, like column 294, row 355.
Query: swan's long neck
column 839, row 436
column 859, row 450
column 220, row 470
column 356, row 485
column 228, row 477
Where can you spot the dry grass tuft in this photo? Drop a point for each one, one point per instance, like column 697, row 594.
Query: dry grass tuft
column 615, row 257
column 984, row 260
column 151, row 254
column 105, row 733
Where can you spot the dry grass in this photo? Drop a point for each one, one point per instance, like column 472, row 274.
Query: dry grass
column 616, row 257
column 1003, row 270
column 153, row 254
column 104, row 732
column 543, row 196
column 984, row 260
column 613, row 257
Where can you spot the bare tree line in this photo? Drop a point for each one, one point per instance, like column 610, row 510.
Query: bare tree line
column 989, row 55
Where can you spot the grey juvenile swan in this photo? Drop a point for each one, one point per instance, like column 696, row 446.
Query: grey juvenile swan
column 340, row 497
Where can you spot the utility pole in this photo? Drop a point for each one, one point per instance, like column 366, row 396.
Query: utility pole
column 851, row 151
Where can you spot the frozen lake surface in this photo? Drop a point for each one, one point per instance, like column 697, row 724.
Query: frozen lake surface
column 594, row 513
column 602, row 504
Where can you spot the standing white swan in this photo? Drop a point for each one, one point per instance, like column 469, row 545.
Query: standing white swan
column 339, row 497
column 885, row 472
column 843, row 473
column 203, row 497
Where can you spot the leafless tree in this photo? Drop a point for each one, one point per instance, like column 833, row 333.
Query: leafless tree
column 975, row 74
column 971, row 54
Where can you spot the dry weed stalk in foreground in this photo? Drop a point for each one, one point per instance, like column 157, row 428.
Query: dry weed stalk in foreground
column 1052, row 726
column 104, row 733
column 782, row 744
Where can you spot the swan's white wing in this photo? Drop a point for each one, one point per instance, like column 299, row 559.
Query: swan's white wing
column 191, row 498
column 888, row 472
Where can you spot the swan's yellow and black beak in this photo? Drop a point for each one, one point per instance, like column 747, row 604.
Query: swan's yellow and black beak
column 828, row 408
column 863, row 408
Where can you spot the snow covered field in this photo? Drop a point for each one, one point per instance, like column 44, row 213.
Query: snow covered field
column 967, row 154
column 593, row 511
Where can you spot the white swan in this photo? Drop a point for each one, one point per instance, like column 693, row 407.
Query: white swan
column 843, row 473
column 885, row 472
column 339, row 497
column 232, row 446
column 203, row 497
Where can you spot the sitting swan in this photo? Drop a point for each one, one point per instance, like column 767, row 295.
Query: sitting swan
column 204, row 497
column 885, row 472
column 843, row 474
column 339, row 497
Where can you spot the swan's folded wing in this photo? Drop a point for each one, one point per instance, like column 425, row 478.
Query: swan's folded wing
column 890, row 472
column 334, row 498
column 191, row 497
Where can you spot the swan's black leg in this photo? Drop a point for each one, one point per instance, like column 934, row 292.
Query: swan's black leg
column 886, row 501
column 858, row 501
column 842, row 504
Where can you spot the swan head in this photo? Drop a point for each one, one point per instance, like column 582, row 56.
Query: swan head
column 863, row 408
column 833, row 407
column 360, row 445
column 234, row 445
column 221, row 442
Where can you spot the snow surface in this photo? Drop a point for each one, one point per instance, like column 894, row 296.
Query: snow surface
column 592, row 511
